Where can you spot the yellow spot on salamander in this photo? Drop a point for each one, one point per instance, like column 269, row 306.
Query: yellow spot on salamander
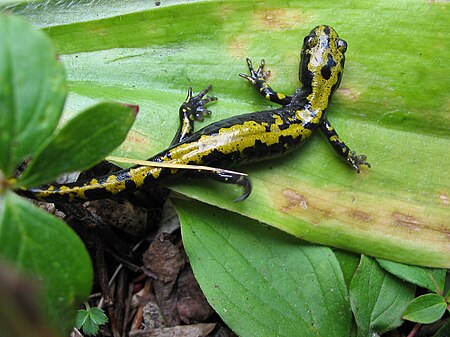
column 138, row 175
column 113, row 185
column 72, row 192
column 93, row 182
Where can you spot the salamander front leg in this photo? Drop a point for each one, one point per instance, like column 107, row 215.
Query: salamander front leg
column 192, row 109
column 341, row 148
column 258, row 79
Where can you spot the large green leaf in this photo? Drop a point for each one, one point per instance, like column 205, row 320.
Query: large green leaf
column 84, row 141
column 261, row 281
column 431, row 278
column 32, row 91
column 378, row 299
column 63, row 267
column 392, row 106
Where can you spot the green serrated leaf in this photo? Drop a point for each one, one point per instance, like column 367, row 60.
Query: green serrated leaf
column 89, row 327
column 32, row 91
column 63, row 267
column 431, row 278
column 82, row 316
column 425, row 309
column 378, row 299
column 261, row 281
column 82, row 142
column 98, row 316
column 90, row 319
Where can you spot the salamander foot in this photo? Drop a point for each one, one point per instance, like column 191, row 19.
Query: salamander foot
column 355, row 160
column 256, row 76
column 196, row 104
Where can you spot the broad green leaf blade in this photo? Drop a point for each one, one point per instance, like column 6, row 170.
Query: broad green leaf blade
column 430, row 278
column 32, row 91
column 261, row 281
column 392, row 106
column 425, row 309
column 63, row 267
column 378, row 299
column 82, row 142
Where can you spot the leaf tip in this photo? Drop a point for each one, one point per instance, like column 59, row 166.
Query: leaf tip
column 134, row 108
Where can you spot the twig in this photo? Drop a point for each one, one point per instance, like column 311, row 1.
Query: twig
column 414, row 330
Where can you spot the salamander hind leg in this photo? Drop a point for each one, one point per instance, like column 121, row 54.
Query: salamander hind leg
column 258, row 79
column 192, row 109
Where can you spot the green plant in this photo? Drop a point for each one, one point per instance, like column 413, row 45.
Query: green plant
column 32, row 95
column 264, row 281
column 426, row 308
column 90, row 319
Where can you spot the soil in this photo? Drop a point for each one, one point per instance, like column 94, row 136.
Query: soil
column 143, row 279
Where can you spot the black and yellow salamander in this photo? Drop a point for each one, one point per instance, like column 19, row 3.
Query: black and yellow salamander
column 241, row 139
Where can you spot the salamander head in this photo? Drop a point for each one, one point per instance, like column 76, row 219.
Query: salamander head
column 322, row 60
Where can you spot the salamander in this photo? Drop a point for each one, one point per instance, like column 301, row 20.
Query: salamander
column 250, row 137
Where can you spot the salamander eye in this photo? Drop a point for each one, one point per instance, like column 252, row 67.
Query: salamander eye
column 307, row 42
column 341, row 45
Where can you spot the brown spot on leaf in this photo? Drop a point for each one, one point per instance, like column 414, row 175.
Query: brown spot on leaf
column 280, row 19
column 294, row 199
column 238, row 47
column 360, row 215
column 136, row 138
column 444, row 198
column 406, row 220
column 136, row 145
column 349, row 93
